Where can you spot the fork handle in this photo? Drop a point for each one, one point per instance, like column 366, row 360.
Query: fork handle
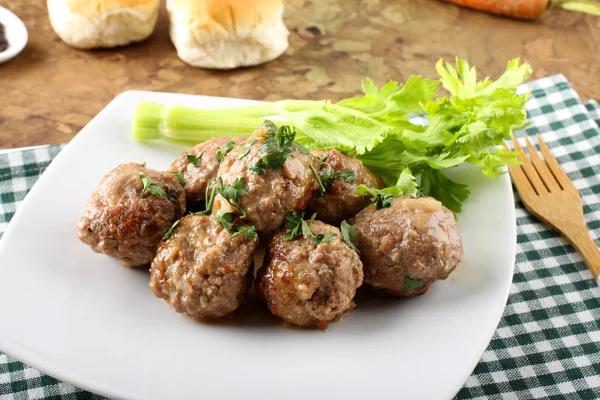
column 585, row 245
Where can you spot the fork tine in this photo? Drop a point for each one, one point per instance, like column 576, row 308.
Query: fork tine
column 541, row 167
column 554, row 166
column 520, row 180
column 528, row 169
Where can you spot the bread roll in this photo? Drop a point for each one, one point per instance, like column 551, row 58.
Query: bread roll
column 227, row 34
column 90, row 24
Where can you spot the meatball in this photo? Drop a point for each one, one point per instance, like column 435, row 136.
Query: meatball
column 310, row 284
column 270, row 191
column 198, row 166
column 405, row 247
column 200, row 270
column 341, row 175
column 129, row 213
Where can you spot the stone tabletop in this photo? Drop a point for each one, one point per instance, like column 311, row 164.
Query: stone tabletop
column 50, row 91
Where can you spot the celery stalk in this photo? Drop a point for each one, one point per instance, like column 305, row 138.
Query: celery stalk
column 183, row 124
column 147, row 121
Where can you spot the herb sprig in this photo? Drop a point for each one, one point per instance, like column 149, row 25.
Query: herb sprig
column 349, row 233
column 195, row 160
column 297, row 227
column 149, row 186
column 233, row 192
column 170, row 231
column 209, row 196
column 325, row 178
column 179, row 177
column 228, row 219
column 279, row 145
column 227, row 147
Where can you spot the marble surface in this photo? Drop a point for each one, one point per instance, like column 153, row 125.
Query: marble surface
column 50, row 91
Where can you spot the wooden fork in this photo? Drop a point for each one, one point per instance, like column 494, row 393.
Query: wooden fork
column 549, row 194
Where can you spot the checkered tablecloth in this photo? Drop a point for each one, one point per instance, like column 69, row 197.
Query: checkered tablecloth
column 547, row 345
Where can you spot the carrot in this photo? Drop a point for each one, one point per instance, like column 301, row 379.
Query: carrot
column 529, row 9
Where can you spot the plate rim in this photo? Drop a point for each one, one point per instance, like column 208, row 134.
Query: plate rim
column 37, row 361
column 12, row 51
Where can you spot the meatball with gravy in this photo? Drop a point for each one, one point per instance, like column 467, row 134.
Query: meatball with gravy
column 198, row 166
column 201, row 270
column 341, row 174
column 310, row 284
column 407, row 246
column 130, row 211
column 276, row 177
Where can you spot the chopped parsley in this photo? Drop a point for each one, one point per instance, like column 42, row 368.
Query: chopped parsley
column 232, row 193
column 349, row 235
column 325, row 178
column 322, row 160
column 279, row 145
column 244, row 149
column 209, row 196
column 322, row 187
column 227, row 147
column 150, row 187
column 297, row 227
column 143, row 164
column 227, row 219
column 195, row 160
column 179, row 176
column 346, row 175
column 170, row 231
column 249, row 232
column 411, row 284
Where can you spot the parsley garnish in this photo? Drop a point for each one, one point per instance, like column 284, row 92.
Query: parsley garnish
column 328, row 175
column 320, row 238
column 249, row 232
column 209, row 197
column 279, row 145
column 412, row 284
column 143, row 164
column 150, row 186
column 232, row 193
column 179, row 176
column 322, row 160
column 349, row 235
column 297, row 226
column 195, row 161
column 226, row 220
column 244, row 149
column 346, row 175
column 227, row 147
column 170, row 231
column 322, row 187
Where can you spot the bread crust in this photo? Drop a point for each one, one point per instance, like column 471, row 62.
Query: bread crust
column 226, row 34
column 88, row 24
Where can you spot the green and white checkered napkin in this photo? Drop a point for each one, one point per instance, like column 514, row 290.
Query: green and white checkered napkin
column 547, row 345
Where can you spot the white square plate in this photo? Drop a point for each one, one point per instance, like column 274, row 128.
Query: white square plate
column 84, row 319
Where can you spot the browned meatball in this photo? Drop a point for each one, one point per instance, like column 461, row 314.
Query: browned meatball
column 125, row 218
column 200, row 270
column 405, row 247
column 204, row 156
column 310, row 284
column 341, row 175
column 270, row 193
